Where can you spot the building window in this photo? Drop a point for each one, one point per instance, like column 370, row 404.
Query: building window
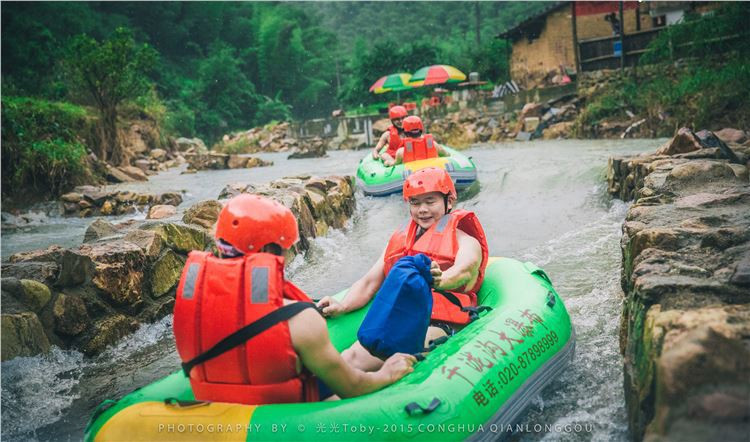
column 659, row 21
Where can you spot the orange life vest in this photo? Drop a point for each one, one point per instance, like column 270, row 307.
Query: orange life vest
column 419, row 148
column 440, row 243
column 216, row 298
column 394, row 141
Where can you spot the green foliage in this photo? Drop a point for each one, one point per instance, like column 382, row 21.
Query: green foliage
column 109, row 72
column 296, row 53
column 708, row 88
column 41, row 148
column 273, row 109
column 721, row 31
column 241, row 145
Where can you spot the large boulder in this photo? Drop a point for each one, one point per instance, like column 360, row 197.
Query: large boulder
column 34, row 294
column 686, row 312
column 204, row 213
column 161, row 211
column 165, row 273
column 135, row 173
column 186, row 144
column 23, row 335
column 71, row 317
column 729, row 135
column 313, row 148
column 118, row 270
column 685, row 141
column 99, row 229
column 149, row 241
column 116, row 175
column 109, row 331
column 180, row 237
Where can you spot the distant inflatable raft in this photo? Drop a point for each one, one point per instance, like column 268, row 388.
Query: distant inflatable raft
column 376, row 179
column 474, row 386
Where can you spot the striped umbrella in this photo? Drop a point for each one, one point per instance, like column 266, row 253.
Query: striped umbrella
column 436, row 74
column 394, row 82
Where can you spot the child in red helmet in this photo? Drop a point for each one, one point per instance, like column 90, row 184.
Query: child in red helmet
column 416, row 145
column 247, row 335
column 391, row 137
column 453, row 239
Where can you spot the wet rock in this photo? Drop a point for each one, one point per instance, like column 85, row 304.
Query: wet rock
column 134, row 172
column 686, row 315
column 99, row 229
column 165, row 273
column 149, row 241
column 109, row 331
column 143, row 164
column 741, row 274
column 158, row 154
column 116, row 175
column 257, row 162
column 204, row 213
column 179, row 237
column 170, row 198
column 185, row 144
column 71, row 317
column 236, row 162
column 34, row 294
column 23, row 335
column 729, row 135
column 700, row 171
column 558, row 130
column 75, row 269
column 684, row 141
column 44, row 272
column 118, row 270
column 71, row 197
column 160, row 211
column 313, row 148
column 108, row 208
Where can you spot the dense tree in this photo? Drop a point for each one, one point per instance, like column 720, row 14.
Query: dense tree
column 109, row 72
column 280, row 57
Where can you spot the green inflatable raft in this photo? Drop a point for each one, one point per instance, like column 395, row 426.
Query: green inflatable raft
column 376, row 179
column 474, row 386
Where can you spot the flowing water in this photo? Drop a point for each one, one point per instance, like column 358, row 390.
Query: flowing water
column 543, row 201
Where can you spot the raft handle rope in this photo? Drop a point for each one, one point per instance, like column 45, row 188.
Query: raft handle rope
column 435, row 342
column 472, row 311
column 551, row 300
column 246, row 333
column 174, row 402
column 413, row 407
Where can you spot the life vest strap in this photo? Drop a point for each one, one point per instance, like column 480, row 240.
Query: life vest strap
column 246, row 333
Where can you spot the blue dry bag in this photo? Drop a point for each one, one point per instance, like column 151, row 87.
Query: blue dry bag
column 400, row 313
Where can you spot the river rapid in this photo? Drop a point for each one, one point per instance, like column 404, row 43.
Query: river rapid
column 543, row 201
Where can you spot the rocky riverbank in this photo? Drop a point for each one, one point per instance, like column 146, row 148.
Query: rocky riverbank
column 90, row 296
column 685, row 331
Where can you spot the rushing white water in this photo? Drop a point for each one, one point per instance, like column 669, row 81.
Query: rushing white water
column 543, row 202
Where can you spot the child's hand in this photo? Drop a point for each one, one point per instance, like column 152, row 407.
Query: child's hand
column 436, row 273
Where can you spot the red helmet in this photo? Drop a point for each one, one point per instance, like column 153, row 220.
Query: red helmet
column 249, row 222
column 429, row 179
column 413, row 123
column 396, row 112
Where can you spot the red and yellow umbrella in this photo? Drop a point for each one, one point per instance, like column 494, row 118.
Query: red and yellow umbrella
column 436, row 74
column 393, row 82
